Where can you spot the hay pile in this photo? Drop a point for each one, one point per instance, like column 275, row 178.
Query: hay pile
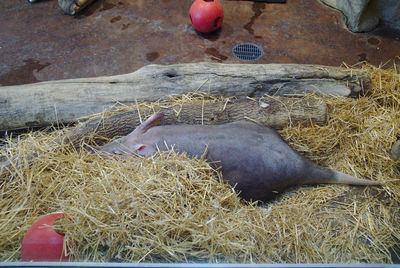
column 171, row 208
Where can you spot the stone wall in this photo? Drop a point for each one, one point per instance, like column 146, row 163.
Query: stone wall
column 365, row 15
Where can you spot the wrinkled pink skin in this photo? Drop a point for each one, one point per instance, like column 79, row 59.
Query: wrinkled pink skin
column 254, row 159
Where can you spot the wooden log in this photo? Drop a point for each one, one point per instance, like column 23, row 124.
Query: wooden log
column 65, row 101
column 72, row 7
column 276, row 112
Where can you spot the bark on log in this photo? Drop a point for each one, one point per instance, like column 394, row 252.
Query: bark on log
column 276, row 112
column 42, row 104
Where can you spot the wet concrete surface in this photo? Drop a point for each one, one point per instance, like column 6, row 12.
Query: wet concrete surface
column 39, row 43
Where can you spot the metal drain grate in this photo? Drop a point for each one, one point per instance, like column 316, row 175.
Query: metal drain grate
column 247, row 51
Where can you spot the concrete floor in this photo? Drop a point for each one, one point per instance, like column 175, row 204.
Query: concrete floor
column 38, row 42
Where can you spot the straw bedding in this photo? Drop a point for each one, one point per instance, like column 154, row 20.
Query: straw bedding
column 170, row 208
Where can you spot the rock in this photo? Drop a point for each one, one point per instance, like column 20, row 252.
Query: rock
column 365, row 15
column 395, row 151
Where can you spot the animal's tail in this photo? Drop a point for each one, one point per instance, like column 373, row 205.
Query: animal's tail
column 343, row 178
column 320, row 175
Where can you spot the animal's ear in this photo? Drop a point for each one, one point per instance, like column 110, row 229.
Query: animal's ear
column 150, row 122
column 143, row 149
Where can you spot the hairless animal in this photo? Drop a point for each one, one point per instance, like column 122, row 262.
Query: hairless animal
column 253, row 158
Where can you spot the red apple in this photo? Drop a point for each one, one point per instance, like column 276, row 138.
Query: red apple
column 206, row 15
